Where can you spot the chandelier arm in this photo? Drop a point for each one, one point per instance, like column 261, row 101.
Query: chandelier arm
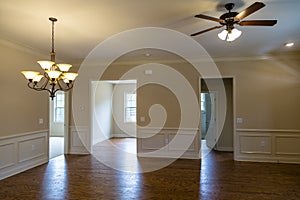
column 63, row 88
column 46, row 82
column 32, row 85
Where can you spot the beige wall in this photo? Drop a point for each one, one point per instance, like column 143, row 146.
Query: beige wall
column 20, row 106
column 267, row 92
column 150, row 94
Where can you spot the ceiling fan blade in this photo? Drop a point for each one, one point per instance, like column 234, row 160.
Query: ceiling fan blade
column 206, row 30
column 210, row 18
column 248, row 11
column 258, row 23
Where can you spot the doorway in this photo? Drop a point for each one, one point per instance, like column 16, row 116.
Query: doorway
column 57, row 122
column 217, row 104
column 113, row 106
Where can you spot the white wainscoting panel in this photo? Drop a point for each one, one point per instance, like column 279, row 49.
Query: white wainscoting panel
column 79, row 140
column 169, row 143
column 251, row 144
column 153, row 143
column 287, row 145
column 22, row 152
column 282, row 146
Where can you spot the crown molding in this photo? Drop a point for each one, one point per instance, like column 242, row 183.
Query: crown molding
column 21, row 47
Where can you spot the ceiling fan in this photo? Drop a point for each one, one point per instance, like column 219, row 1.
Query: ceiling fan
column 229, row 19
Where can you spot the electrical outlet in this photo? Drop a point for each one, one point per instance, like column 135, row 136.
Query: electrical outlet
column 142, row 119
column 33, row 148
column 262, row 143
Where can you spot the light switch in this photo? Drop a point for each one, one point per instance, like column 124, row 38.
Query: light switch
column 239, row 120
column 82, row 108
column 148, row 71
column 41, row 121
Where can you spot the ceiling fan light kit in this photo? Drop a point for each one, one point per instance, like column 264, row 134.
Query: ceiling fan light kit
column 55, row 76
column 230, row 19
column 230, row 36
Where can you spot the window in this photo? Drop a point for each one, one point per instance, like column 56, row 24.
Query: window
column 59, row 107
column 130, row 107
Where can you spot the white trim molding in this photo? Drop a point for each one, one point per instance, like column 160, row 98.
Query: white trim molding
column 22, row 152
column 268, row 145
column 156, row 142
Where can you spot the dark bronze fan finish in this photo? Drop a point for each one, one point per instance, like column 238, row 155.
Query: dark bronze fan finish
column 230, row 18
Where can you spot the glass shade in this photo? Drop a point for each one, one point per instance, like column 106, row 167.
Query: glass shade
column 30, row 74
column 230, row 36
column 223, row 35
column 53, row 74
column 70, row 76
column 38, row 78
column 46, row 64
column 64, row 67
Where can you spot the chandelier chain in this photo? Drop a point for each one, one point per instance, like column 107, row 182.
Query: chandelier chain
column 52, row 36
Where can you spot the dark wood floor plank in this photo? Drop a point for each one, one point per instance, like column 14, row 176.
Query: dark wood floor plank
column 217, row 176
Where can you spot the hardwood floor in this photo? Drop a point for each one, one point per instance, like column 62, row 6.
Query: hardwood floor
column 217, row 176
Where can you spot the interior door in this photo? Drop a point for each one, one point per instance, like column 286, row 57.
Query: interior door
column 211, row 134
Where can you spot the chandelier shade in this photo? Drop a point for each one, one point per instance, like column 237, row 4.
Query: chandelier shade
column 55, row 77
column 46, row 64
column 64, row 67
column 29, row 74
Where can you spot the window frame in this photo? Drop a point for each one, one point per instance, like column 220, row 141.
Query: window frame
column 128, row 119
column 61, row 118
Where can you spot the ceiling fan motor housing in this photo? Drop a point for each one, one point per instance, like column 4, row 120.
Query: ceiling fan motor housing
column 228, row 17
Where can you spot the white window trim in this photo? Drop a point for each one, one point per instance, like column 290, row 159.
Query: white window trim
column 125, row 106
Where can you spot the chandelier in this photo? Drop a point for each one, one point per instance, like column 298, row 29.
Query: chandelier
column 54, row 77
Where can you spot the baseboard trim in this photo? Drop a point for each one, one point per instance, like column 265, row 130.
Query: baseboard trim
column 22, row 168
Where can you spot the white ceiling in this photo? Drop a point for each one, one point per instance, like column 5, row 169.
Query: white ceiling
column 84, row 24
